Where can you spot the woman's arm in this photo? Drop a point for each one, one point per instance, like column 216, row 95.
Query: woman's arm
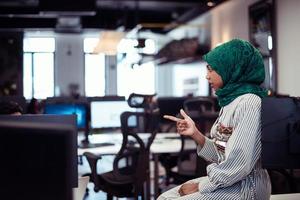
column 242, row 150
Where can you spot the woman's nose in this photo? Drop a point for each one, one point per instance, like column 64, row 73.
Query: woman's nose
column 207, row 77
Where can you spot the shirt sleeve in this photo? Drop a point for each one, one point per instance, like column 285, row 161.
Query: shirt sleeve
column 242, row 150
column 208, row 151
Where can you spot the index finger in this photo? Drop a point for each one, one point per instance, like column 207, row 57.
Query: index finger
column 172, row 118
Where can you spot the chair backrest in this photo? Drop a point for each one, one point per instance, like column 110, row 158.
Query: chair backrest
column 199, row 105
column 141, row 100
column 195, row 108
column 135, row 149
column 202, row 111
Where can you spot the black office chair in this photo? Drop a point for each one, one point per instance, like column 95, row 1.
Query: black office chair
column 202, row 111
column 144, row 101
column 282, row 182
column 189, row 165
column 130, row 176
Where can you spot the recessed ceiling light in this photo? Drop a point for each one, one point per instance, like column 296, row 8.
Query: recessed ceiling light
column 210, row 3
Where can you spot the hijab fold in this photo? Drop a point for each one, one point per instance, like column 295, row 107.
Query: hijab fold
column 241, row 67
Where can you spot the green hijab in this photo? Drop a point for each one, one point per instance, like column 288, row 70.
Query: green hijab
column 241, row 67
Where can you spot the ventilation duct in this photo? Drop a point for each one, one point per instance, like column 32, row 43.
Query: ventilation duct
column 181, row 51
column 68, row 24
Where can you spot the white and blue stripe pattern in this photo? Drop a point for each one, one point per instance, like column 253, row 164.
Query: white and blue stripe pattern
column 235, row 173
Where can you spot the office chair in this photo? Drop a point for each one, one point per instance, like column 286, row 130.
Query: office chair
column 189, row 165
column 130, row 176
column 282, row 181
column 145, row 101
column 202, row 111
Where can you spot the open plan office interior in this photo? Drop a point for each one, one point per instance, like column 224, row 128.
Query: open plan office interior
column 92, row 79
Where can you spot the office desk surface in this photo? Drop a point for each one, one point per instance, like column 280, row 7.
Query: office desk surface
column 163, row 143
column 294, row 196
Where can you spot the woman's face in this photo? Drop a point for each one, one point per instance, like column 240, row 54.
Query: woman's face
column 214, row 79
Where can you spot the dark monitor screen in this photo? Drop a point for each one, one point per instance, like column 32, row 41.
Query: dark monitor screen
column 106, row 114
column 169, row 106
column 68, row 109
column 60, row 120
column 38, row 165
column 280, row 133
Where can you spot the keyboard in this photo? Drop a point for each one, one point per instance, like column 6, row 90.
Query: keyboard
column 91, row 145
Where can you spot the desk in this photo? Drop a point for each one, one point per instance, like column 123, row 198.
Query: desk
column 115, row 138
column 163, row 143
column 294, row 196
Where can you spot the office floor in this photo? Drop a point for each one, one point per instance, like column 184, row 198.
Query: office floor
column 103, row 165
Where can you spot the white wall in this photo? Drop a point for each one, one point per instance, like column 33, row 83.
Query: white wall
column 288, row 46
column 230, row 20
column 69, row 66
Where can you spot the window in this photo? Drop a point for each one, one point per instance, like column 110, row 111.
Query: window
column 190, row 79
column 138, row 79
column 134, row 77
column 94, row 69
column 38, row 67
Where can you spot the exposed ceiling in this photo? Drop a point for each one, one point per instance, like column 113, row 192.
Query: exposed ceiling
column 157, row 15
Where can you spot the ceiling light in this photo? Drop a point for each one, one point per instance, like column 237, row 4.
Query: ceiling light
column 108, row 42
column 210, row 4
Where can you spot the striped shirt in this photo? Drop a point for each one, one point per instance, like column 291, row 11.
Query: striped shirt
column 234, row 151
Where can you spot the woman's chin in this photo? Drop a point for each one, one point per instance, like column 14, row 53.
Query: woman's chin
column 215, row 89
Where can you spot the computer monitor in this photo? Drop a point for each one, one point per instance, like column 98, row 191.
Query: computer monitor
column 170, row 106
column 60, row 120
column 106, row 98
column 281, row 133
column 106, row 114
column 39, row 164
column 67, row 109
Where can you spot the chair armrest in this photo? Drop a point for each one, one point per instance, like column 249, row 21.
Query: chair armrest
column 92, row 160
column 92, row 156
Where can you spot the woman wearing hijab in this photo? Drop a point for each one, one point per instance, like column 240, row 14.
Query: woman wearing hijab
column 235, row 71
